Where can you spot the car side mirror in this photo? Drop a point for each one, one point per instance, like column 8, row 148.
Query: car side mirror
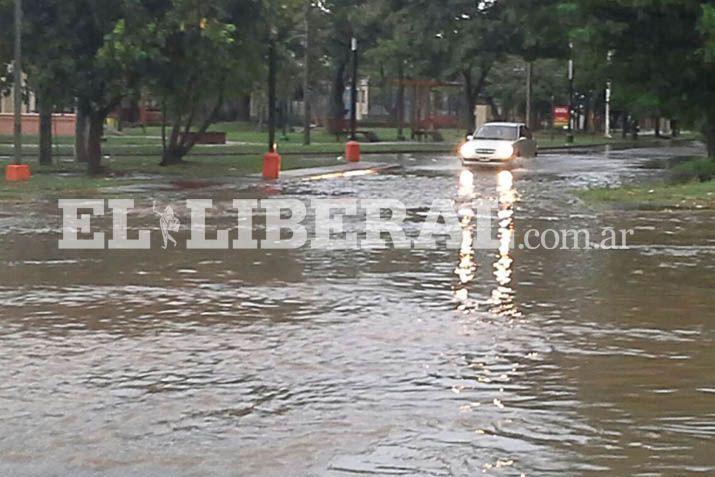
column 470, row 137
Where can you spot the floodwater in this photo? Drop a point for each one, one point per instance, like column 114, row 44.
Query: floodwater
column 394, row 362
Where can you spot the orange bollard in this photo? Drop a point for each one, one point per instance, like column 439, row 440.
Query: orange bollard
column 352, row 151
column 17, row 172
column 271, row 166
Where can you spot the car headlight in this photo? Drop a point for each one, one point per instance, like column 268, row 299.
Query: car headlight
column 466, row 150
column 505, row 150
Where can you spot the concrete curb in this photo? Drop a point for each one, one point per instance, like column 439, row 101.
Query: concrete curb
column 327, row 172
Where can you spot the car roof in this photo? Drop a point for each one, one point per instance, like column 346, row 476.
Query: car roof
column 503, row 124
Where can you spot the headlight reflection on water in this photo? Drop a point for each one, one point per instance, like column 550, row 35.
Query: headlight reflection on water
column 466, row 184
column 467, row 266
column 501, row 301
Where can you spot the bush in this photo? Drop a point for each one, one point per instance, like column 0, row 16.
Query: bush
column 700, row 169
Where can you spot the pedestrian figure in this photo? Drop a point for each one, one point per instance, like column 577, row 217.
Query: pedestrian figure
column 168, row 222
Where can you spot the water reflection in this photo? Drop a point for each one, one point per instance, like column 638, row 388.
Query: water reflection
column 501, row 302
column 467, row 266
column 502, row 299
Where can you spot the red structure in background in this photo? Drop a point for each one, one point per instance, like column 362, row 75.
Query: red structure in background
column 138, row 113
column 62, row 124
column 425, row 118
column 149, row 116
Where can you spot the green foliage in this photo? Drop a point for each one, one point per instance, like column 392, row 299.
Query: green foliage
column 700, row 169
column 692, row 195
column 661, row 53
column 706, row 27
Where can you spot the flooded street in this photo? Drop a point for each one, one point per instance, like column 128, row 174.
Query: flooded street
column 366, row 362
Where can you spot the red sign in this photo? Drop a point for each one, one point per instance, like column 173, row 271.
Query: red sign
column 561, row 116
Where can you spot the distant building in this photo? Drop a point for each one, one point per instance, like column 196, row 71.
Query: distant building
column 63, row 124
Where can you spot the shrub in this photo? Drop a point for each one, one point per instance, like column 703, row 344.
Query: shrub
column 700, row 169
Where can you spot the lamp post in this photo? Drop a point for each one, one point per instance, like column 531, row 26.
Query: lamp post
column 271, row 160
column 17, row 82
column 17, row 171
column 271, row 94
column 529, row 86
column 353, row 90
column 607, row 132
column 352, row 147
column 306, row 77
column 569, row 136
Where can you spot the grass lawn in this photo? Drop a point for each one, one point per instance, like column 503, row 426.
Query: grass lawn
column 147, row 142
column 67, row 178
column 207, row 166
column 51, row 185
column 688, row 184
column 692, row 195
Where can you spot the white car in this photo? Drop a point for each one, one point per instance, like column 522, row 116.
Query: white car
column 498, row 143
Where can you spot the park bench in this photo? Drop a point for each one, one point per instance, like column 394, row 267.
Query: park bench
column 427, row 128
column 421, row 134
column 341, row 128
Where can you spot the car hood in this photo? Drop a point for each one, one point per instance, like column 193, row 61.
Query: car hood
column 490, row 143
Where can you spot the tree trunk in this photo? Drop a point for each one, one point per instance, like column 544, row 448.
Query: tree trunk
column 243, row 108
column 172, row 153
column 180, row 144
column 400, row 101
column 306, row 79
column 709, row 132
column 94, row 143
column 529, row 99
column 337, row 106
column 470, row 101
column 45, row 150
column 657, row 126
column 80, row 137
column 414, row 112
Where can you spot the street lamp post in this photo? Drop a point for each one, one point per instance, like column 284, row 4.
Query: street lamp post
column 608, row 101
column 529, row 86
column 352, row 147
column 569, row 136
column 306, row 78
column 271, row 160
column 17, row 171
column 608, row 109
column 17, row 82
column 271, row 94
column 353, row 90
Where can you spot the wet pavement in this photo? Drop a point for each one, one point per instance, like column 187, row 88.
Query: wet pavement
column 395, row 362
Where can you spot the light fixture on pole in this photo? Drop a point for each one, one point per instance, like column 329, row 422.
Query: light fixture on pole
column 353, row 89
column 569, row 136
column 271, row 160
column 607, row 132
column 17, row 171
column 352, row 147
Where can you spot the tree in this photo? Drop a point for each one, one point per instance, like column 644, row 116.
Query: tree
column 97, row 80
column 47, row 63
column 663, row 54
column 479, row 38
column 187, row 54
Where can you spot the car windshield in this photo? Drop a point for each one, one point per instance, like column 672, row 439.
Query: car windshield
column 503, row 133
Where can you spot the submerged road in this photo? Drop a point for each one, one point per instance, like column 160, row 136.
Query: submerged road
column 396, row 362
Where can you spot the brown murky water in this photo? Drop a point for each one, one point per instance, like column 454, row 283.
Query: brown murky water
column 309, row 362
